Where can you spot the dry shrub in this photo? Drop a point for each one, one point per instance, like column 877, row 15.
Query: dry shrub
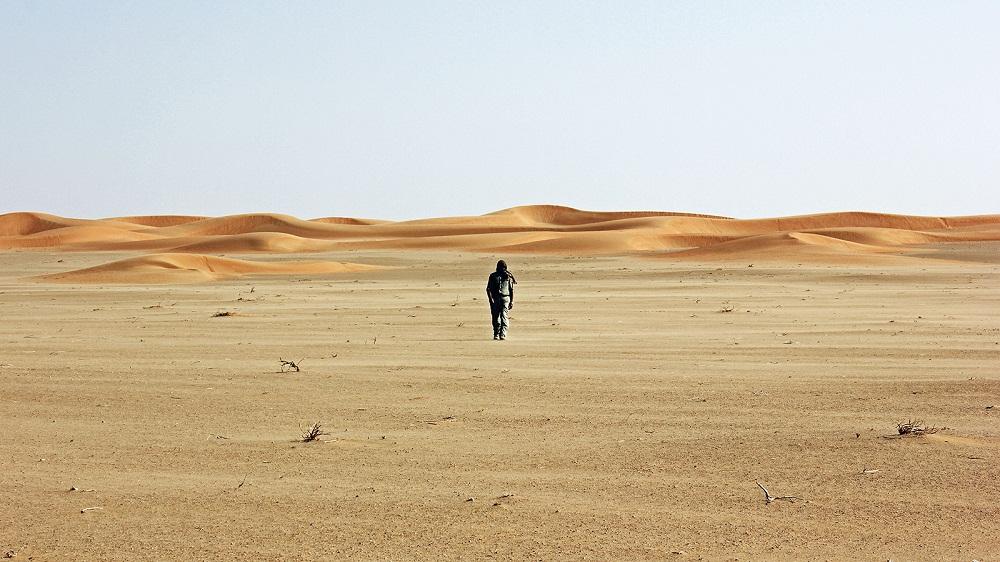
column 313, row 433
column 915, row 428
column 287, row 366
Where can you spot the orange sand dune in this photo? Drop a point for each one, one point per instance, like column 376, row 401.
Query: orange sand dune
column 347, row 220
column 875, row 236
column 583, row 243
column 159, row 220
column 94, row 233
column 25, row 224
column 542, row 217
column 587, row 243
column 542, row 229
column 791, row 245
column 877, row 220
column 260, row 222
column 193, row 268
column 567, row 216
column 270, row 242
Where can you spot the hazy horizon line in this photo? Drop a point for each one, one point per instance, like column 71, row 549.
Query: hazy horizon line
column 483, row 214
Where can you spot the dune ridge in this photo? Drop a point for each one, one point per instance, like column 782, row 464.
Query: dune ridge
column 264, row 242
column 158, row 220
column 26, row 224
column 541, row 229
column 194, row 268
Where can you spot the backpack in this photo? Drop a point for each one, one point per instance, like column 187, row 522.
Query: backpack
column 500, row 283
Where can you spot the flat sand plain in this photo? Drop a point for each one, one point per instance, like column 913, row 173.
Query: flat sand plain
column 627, row 417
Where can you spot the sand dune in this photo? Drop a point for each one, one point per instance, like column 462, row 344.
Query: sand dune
column 876, row 236
column 159, row 220
column 567, row 216
column 790, row 245
column 193, row 268
column 245, row 224
column 542, row 229
column 270, row 242
column 95, row 234
column 26, row 224
column 592, row 243
column 347, row 220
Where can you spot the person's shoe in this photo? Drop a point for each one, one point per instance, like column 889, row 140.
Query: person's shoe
column 496, row 337
column 501, row 338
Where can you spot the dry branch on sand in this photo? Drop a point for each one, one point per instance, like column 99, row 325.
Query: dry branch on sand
column 287, row 366
column 223, row 314
column 915, row 428
column 768, row 498
column 313, row 433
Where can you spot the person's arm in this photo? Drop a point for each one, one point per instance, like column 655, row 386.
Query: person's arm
column 511, row 305
column 489, row 295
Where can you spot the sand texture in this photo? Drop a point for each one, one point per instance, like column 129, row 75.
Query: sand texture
column 193, row 268
column 640, row 398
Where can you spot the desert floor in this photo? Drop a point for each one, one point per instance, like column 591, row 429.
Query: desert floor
column 629, row 416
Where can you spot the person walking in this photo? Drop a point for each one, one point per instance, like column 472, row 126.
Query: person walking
column 500, row 292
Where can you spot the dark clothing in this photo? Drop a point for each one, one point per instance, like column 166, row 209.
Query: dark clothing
column 499, row 309
column 501, row 283
column 500, row 290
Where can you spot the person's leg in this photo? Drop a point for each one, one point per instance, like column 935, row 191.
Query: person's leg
column 504, row 316
column 495, row 317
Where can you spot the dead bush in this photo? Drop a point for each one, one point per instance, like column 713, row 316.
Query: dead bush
column 915, row 428
column 313, row 433
column 287, row 366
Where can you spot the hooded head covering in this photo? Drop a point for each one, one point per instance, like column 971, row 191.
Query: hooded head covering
column 502, row 269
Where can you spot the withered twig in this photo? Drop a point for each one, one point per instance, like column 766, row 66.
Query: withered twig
column 287, row 366
column 768, row 498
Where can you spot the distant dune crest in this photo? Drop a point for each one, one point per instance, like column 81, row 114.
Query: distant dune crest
column 548, row 229
column 159, row 220
column 192, row 268
column 26, row 224
column 565, row 216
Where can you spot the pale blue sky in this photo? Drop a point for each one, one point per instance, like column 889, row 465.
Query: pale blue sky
column 413, row 109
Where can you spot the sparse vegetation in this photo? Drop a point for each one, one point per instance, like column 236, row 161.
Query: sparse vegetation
column 915, row 428
column 287, row 366
column 313, row 433
column 768, row 498
column 223, row 314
